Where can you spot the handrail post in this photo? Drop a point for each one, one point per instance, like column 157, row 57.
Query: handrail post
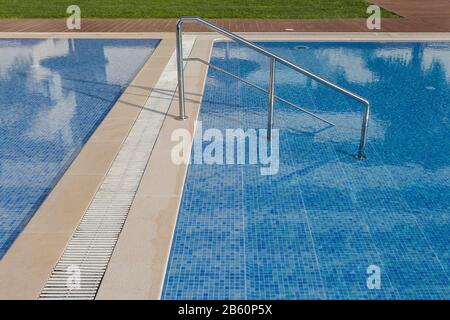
column 181, row 100
column 271, row 98
column 364, row 128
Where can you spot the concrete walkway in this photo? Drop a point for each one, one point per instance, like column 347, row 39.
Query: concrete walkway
column 416, row 16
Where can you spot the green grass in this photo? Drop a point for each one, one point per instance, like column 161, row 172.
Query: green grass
column 272, row 9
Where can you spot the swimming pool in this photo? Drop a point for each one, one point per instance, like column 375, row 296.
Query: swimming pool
column 53, row 95
column 316, row 228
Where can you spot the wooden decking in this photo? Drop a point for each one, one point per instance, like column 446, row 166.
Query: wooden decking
column 416, row 16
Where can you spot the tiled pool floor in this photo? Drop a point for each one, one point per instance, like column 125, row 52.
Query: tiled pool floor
column 312, row 230
column 54, row 93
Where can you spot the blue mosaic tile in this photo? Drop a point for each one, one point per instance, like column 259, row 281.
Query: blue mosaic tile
column 53, row 95
column 312, row 230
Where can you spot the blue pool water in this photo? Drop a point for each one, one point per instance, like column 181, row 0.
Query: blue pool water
column 312, row 230
column 53, row 95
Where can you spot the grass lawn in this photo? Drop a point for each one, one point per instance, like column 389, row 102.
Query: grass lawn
column 275, row 9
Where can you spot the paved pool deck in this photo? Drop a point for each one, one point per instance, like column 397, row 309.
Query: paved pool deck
column 415, row 16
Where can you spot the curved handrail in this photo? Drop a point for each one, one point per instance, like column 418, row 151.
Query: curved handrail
column 210, row 25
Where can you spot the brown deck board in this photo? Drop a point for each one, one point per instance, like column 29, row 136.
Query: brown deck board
column 417, row 16
column 161, row 25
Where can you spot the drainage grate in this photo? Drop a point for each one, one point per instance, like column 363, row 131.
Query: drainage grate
column 80, row 270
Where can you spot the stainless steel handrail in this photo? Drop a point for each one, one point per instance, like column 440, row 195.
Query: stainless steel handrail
column 274, row 59
column 260, row 89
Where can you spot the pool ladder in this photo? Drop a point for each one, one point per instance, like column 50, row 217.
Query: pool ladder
column 271, row 92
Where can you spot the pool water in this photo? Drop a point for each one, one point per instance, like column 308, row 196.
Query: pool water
column 316, row 229
column 53, row 95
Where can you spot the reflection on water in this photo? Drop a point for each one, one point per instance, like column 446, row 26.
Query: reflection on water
column 436, row 56
column 53, row 94
column 312, row 230
column 407, row 84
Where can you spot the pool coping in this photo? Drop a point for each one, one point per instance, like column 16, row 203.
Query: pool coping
column 146, row 238
column 28, row 263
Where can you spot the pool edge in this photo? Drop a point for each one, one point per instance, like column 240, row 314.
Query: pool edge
column 156, row 205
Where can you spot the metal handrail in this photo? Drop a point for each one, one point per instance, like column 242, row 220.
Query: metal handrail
column 274, row 59
column 260, row 89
